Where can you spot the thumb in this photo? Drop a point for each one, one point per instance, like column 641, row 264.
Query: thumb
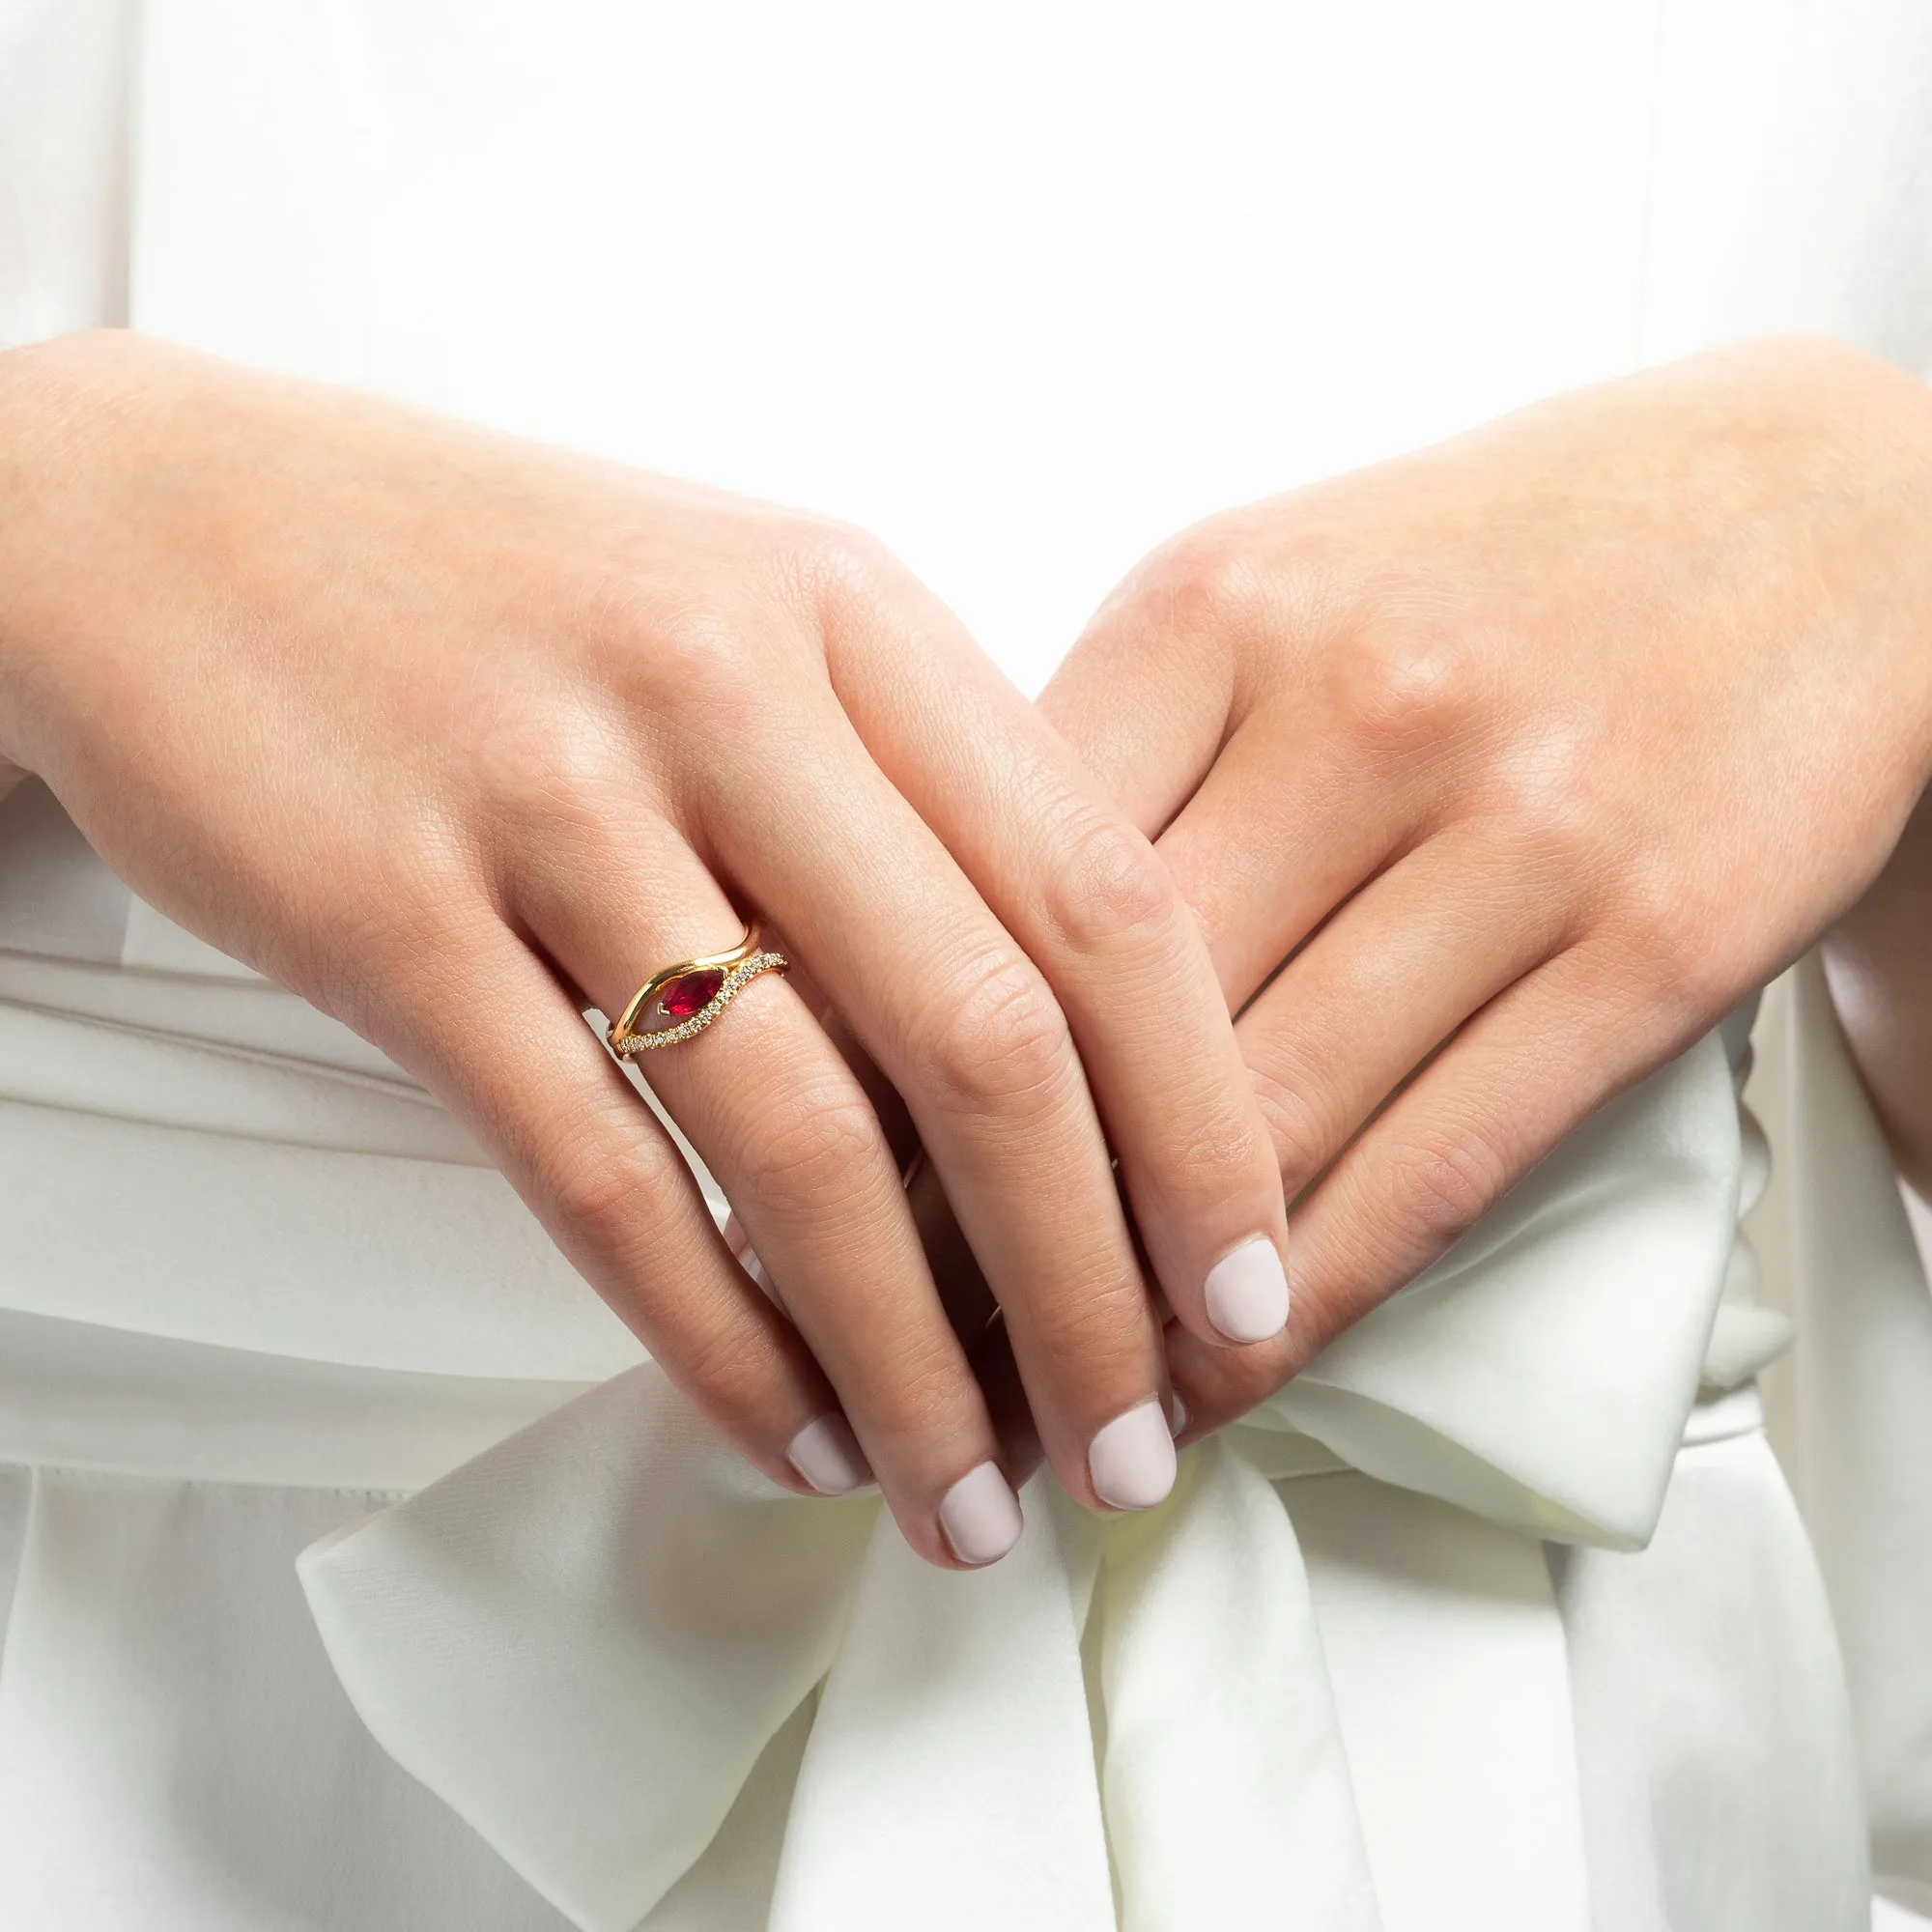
column 1147, row 696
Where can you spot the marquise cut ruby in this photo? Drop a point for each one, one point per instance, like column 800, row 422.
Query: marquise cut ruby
column 691, row 994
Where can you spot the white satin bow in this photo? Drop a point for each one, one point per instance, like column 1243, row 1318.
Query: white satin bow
column 671, row 1693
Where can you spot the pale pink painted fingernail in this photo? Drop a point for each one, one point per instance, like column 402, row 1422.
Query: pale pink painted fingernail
column 1131, row 1460
column 827, row 1454
column 1176, row 1413
column 980, row 1516
column 1247, row 1292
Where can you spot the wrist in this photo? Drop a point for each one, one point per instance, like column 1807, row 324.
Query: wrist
column 54, row 410
column 1877, row 418
column 1878, row 960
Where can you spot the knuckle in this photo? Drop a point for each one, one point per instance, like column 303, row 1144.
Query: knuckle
column 1670, row 944
column 1646, row 914
column 701, row 663
column 1551, row 804
column 1697, row 977
column 922, row 1396
column 606, row 1195
column 838, row 560
column 810, row 1149
column 1103, row 1334
column 1110, row 887
column 1209, row 578
column 1443, row 1178
column 1211, row 1157
column 562, row 771
column 1404, row 687
column 687, row 644
column 729, row 1366
column 1298, row 1128
column 845, row 583
column 995, row 1037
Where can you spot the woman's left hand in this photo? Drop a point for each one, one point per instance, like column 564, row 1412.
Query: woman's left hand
column 1530, row 755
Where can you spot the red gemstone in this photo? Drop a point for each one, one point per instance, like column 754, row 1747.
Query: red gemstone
column 691, row 994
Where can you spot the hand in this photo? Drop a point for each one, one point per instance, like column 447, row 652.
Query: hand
column 454, row 735
column 1530, row 755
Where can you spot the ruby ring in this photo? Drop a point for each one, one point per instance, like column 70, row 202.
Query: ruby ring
column 685, row 999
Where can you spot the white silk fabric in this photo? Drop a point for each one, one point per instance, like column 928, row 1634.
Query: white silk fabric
column 1023, row 287
column 1390, row 1657
column 1864, row 1424
column 1290, row 1695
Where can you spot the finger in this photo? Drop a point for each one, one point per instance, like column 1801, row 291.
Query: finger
column 1146, row 694
column 1519, row 1077
column 976, row 1319
column 1094, row 907
column 966, row 1029
column 969, row 1306
column 779, row 1120
column 1386, row 981
column 499, row 1039
column 901, row 1135
column 999, row 1374
column 1271, row 805
column 1285, row 828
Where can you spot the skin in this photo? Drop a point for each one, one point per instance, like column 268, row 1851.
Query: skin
column 1492, row 776
column 456, row 736
column 1878, row 960
column 1499, row 774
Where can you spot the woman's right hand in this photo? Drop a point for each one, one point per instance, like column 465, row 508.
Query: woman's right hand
column 454, row 734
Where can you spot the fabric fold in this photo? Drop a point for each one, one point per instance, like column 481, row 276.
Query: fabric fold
column 948, row 1783
column 585, row 1641
column 1866, row 1431
column 586, row 1638
column 1227, row 1785
column 313, row 1202
column 1540, row 1372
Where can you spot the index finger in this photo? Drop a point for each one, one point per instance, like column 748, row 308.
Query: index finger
column 1084, row 893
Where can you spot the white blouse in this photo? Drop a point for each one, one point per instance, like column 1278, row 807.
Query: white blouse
column 1500, row 1617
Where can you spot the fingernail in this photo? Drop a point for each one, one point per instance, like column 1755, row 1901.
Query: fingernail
column 980, row 1516
column 1132, row 1461
column 1247, row 1292
column 827, row 1454
column 1176, row 1413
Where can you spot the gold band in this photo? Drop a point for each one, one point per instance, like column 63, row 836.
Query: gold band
column 685, row 999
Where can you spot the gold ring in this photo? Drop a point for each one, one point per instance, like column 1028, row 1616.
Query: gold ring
column 685, row 999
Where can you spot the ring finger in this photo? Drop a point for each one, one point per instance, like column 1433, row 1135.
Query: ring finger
column 778, row 1118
